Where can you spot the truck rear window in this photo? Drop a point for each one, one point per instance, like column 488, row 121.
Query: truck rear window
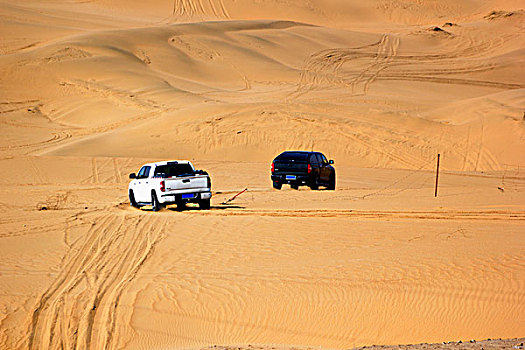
column 171, row 170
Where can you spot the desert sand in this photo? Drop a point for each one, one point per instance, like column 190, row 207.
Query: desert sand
column 90, row 90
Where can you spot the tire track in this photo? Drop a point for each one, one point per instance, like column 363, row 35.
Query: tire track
column 106, row 170
column 480, row 145
column 55, row 139
column 495, row 215
column 199, row 9
column 341, row 66
column 81, row 308
column 119, row 96
column 118, row 177
column 484, row 156
column 467, row 149
column 103, row 170
column 32, row 230
column 386, row 50
column 152, row 109
column 454, row 81
column 325, row 66
column 67, row 230
column 376, row 144
column 14, row 106
column 94, row 170
column 38, row 174
column 406, row 159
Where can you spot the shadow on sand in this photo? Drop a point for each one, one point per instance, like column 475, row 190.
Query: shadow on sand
column 196, row 208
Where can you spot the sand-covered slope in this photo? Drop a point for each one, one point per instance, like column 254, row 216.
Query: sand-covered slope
column 90, row 90
column 393, row 95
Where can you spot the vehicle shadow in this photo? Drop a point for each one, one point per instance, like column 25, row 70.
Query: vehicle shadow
column 213, row 207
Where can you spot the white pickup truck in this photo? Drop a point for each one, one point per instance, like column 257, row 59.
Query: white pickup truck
column 171, row 182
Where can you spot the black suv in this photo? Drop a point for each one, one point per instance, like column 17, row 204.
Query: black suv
column 299, row 168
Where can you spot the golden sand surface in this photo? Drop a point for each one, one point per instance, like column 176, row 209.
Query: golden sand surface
column 90, row 90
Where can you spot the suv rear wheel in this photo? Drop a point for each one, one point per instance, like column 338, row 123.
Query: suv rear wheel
column 331, row 186
column 277, row 185
column 315, row 184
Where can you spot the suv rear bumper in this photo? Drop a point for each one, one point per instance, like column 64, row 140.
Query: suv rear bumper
column 289, row 179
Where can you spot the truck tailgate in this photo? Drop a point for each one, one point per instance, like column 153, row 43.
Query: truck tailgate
column 199, row 182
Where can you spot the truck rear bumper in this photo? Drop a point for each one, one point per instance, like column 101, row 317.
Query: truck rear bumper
column 191, row 197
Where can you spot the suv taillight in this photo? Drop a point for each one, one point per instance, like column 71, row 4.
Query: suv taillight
column 309, row 168
column 162, row 186
column 209, row 183
column 273, row 167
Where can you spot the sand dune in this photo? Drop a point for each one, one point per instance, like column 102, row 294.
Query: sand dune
column 90, row 90
column 127, row 84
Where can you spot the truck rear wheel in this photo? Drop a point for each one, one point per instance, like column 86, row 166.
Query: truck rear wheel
column 205, row 204
column 132, row 200
column 155, row 205
column 315, row 184
column 277, row 185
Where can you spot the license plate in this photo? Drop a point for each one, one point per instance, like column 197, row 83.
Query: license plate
column 291, row 177
column 188, row 195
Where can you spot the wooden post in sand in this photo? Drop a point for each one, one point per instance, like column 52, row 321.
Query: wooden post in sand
column 437, row 177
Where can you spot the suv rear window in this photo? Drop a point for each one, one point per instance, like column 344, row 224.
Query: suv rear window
column 171, row 170
column 293, row 155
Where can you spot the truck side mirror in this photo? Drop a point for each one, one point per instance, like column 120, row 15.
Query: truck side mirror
column 132, row 176
column 331, row 161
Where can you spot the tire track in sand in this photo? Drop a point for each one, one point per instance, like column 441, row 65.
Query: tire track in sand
column 81, row 308
column 94, row 170
column 357, row 68
column 39, row 178
column 325, row 66
column 491, row 215
column 118, row 176
column 386, row 50
column 199, row 8
column 55, row 139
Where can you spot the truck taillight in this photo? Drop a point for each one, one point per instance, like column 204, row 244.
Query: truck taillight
column 309, row 168
column 273, row 167
column 162, row 186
